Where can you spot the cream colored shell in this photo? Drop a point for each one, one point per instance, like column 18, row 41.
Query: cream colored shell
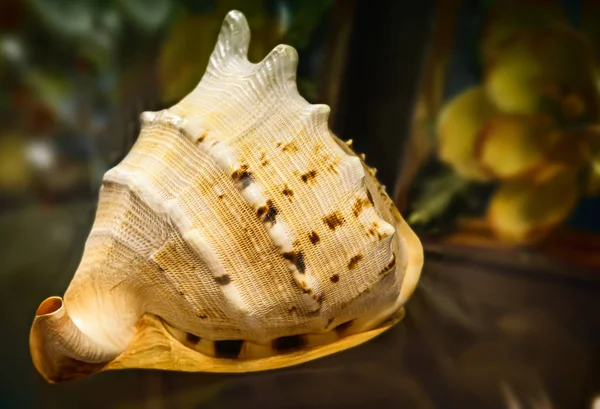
column 237, row 217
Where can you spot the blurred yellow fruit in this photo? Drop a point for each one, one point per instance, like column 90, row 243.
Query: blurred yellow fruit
column 516, row 146
column 570, row 150
column 512, row 85
column 458, row 128
column 542, row 70
column 526, row 213
column 508, row 18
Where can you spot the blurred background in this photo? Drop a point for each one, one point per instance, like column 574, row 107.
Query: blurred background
column 482, row 118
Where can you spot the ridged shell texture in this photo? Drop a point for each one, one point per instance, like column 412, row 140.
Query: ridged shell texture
column 238, row 215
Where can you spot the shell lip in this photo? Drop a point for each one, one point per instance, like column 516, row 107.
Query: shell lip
column 155, row 348
column 415, row 258
column 53, row 365
column 50, row 306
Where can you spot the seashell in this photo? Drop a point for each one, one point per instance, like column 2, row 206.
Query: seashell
column 239, row 234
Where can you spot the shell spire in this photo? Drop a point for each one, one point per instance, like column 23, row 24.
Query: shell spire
column 271, row 82
column 233, row 42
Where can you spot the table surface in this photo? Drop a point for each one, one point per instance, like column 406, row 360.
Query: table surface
column 476, row 335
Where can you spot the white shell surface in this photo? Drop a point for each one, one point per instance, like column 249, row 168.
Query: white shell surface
column 238, row 215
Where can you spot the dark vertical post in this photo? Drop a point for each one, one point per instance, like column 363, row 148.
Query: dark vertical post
column 377, row 95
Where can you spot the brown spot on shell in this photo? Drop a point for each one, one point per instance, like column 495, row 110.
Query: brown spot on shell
column 334, row 278
column 228, row 349
column 292, row 310
column 201, row 137
column 373, row 231
column 314, row 237
column 308, row 176
column 290, row 147
column 267, row 212
column 297, row 259
column 271, row 212
column 242, row 168
column 242, row 176
column 201, row 316
column 359, row 205
column 332, row 163
column 192, row 339
column 301, row 286
column 354, row 261
column 246, row 180
column 223, row 280
column 333, row 220
column 289, row 343
column 260, row 212
column 221, row 196
column 287, row 191
column 300, row 264
column 263, row 159
column 332, row 167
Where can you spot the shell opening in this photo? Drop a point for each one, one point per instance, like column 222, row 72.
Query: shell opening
column 59, row 349
column 49, row 306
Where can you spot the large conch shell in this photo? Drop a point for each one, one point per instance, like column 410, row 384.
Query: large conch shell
column 238, row 235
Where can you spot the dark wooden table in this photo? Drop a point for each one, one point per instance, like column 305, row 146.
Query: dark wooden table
column 478, row 334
